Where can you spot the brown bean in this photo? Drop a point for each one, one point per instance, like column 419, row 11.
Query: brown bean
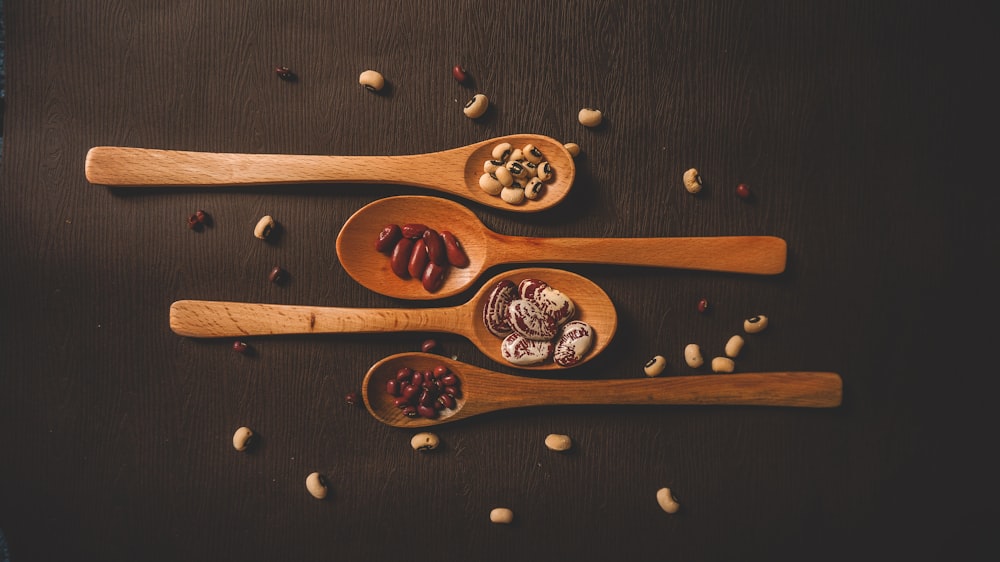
column 456, row 253
column 388, row 237
column 401, row 257
column 435, row 247
column 413, row 230
column 418, row 258
column 433, row 277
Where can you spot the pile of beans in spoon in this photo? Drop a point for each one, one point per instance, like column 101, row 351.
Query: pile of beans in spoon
column 420, row 252
column 423, row 393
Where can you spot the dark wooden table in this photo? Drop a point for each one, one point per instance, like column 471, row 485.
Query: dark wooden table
column 857, row 126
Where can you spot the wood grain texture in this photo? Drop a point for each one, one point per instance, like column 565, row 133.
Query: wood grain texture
column 857, row 125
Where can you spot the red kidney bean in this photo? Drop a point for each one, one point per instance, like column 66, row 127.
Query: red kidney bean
column 413, row 230
column 458, row 73
column 352, row 398
column 449, row 379
column 388, row 237
column 426, row 412
column 418, row 379
column 418, row 258
column 433, row 277
column 429, row 345
column 410, row 411
column 440, row 371
column 454, row 250
column 401, row 402
column 409, row 391
column 447, row 400
column 404, row 374
column 392, row 387
column 401, row 257
column 435, row 247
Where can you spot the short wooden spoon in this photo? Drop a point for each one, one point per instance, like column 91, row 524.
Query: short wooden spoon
column 212, row 319
column 483, row 391
column 486, row 248
column 455, row 171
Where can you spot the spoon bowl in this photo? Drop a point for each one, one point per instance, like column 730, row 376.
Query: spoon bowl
column 197, row 318
column 455, row 171
column 482, row 391
column 485, row 248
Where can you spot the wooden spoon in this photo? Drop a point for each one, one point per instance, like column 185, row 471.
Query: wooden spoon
column 212, row 319
column 486, row 248
column 455, row 171
column 483, row 391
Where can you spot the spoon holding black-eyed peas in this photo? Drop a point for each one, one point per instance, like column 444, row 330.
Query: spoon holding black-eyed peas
column 457, row 171
column 473, row 390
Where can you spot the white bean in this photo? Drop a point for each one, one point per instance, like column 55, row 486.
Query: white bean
column 242, row 438
column 572, row 148
column 655, row 366
column 477, row 106
column 501, row 152
column 372, row 80
column 503, row 174
column 424, row 441
column 723, row 365
column 533, row 189
column 665, row 498
column 264, row 227
column 490, row 183
column 501, row 515
column 590, row 117
column 692, row 355
column 692, row 181
column 558, row 442
column 755, row 324
column 512, row 194
column 734, row 346
column 316, row 485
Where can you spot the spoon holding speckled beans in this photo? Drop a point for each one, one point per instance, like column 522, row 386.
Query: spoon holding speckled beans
column 456, row 171
column 481, row 391
column 215, row 319
column 485, row 248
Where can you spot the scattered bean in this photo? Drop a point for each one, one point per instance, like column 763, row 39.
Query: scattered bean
column 755, row 324
column 243, row 439
column 425, row 441
column 723, row 365
column 590, row 117
column 572, row 148
column 240, row 346
column 203, row 217
column 703, row 305
column 655, row 366
column 316, row 485
column 388, row 237
column 278, row 275
column 458, row 73
column 692, row 356
column 285, row 73
column 193, row 222
column 734, row 346
column 743, row 190
column 477, row 106
column 352, row 398
column 372, row 80
column 501, row 515
column 558, row 442
column 665, row 498
column 692, row 181
column 429, row 345
column 264, row 227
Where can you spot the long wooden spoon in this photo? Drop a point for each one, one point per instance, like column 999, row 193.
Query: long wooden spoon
column 212, row 319
column 486, row 248
column 455, row 171
column 483, row 391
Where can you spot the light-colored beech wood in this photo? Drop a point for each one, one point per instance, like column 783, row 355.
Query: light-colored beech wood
column 455, row 171
column 484, row 391
column 764, row 255
column 214, row 319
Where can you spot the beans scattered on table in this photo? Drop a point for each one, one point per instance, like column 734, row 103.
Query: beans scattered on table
column 723, row 365
column 501, row 515
column 692, row 356
column 734, row 346
column 665, row 498
column 243, row 438
column 755, row 324
column 655, row 366
column 264, row 227
column 285, row 73
column 692, row 181
column 590, row 117
column 372, row 80
column 476, row 107
column 424, row 441
column 316, row 485
column 558, row 442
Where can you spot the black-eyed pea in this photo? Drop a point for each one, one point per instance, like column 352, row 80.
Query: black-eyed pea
column 490, row 184
column 533, row 189
column 477, row 106
column 531, row 168
column 491, row 166
column 590, row 117
column 723, row 365
column 372, row 80
column 501, row 515
column 316, row 485
column 666, row 499
column 264, row 228
column 517, row 155
column 531, row 153
column 516, row 169
column 504, row 176
column 734, row 346
column 558, row 442
column 513, row 194
column 692, row 355
column 692, row 181
column 544, row 171
column 755, row 324
column 572, row 148
column 502, row 151
column 655, row 366
column 243, row 439
column 424, row 441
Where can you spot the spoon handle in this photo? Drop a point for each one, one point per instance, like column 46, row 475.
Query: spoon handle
column 764, row 255
column 789, row 388
column 143, row 167
column 212, row 319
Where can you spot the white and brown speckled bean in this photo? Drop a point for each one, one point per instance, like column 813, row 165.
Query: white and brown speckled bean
column 555, row 304
column 531, row 321
column 519, row 350
column 576, row 340
column 495, row 310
